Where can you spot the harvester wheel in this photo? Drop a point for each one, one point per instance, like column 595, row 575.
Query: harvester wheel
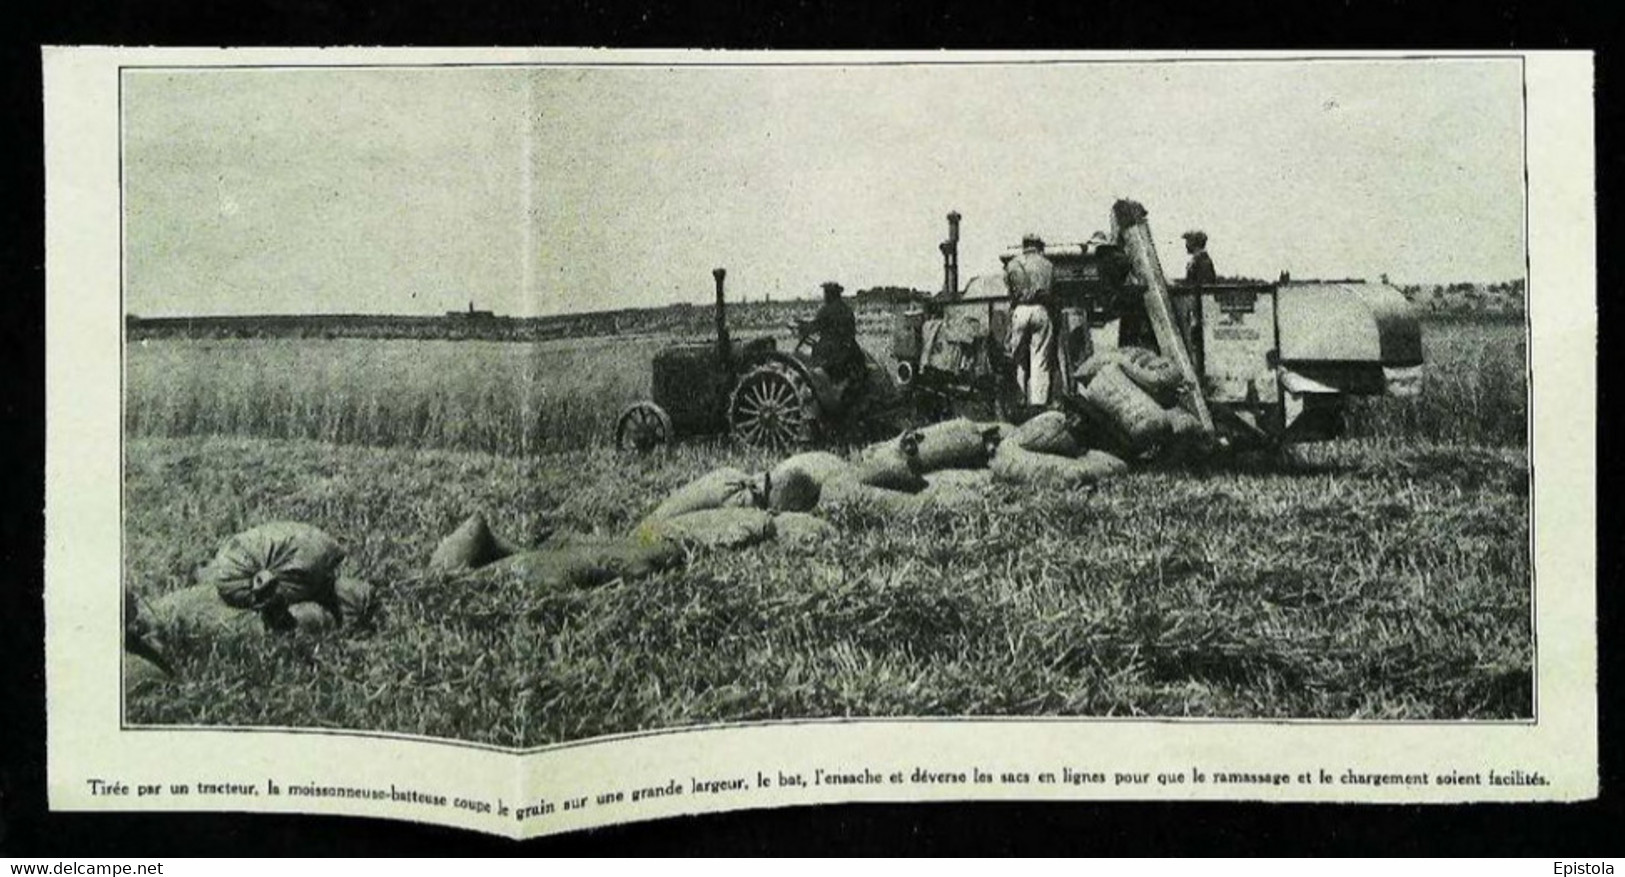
column 774, row 406
column 642, row 427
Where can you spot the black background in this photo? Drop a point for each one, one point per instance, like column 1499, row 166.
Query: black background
column 28, row 829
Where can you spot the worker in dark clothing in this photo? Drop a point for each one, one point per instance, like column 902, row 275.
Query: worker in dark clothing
column 836, row 349
column 1200, row 270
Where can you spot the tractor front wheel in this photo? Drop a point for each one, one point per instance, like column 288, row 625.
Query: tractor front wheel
column 774, row 406
column 642, row 427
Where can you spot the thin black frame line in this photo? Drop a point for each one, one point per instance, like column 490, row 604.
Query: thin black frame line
column 1529, row 407
column 1533, row 720
column 856, row 62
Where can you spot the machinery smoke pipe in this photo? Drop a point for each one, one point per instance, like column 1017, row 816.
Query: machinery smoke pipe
column 950, row 257
column 724, row 347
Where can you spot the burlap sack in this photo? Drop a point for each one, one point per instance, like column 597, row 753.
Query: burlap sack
column 1182, row 424
column 893, row 465
column 275, row 564
column 710, row 528
column 141, row 674
column 585, row 561
column 801, row 532
column 470, row 546
column 719, row 488
column 1048, row 433
column 851, row 492
column 1152, row 372
column 820, row 465
column 1017, row 465
column 957, row 488
column 1133, row 414
column 956, row 444
column 791, row 490
column 200, row 610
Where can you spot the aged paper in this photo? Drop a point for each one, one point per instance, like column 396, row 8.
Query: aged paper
column 157, row 166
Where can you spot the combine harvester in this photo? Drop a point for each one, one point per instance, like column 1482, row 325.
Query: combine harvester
column 1263, row 364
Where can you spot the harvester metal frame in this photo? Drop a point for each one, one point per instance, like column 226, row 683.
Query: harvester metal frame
column 1243, row 385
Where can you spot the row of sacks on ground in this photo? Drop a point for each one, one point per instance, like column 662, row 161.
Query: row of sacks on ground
column 285, row 577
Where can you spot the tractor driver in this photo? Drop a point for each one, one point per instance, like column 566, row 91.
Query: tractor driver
column 836, row 349
column 1030, row 277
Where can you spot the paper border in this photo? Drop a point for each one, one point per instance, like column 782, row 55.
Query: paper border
column 83, row 535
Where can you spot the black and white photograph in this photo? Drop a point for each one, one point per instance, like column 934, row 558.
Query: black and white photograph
column 522, row 405
column 537, row 439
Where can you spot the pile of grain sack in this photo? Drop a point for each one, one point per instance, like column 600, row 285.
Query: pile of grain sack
column 284, row 577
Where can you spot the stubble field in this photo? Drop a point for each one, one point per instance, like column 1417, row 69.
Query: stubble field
column 1385, row 576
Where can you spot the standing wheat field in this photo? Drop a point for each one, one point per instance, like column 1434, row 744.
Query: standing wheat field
column 1384, row 576
column 526, row 398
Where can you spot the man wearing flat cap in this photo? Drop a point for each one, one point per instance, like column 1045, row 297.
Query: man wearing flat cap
column 1030, row 277
column 836, row 348
column 1200, row 270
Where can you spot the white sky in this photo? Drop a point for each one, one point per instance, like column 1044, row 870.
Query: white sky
column 545, row 190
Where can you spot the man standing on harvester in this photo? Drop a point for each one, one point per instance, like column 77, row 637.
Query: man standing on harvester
column 1200, row 270
column 1030, row 277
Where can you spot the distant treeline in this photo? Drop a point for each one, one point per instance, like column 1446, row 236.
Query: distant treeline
column 1455, row 300
column 677, row 319
column 1469, row 299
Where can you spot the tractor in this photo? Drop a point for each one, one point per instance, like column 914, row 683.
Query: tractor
column 757, row 393
column 1264, row 364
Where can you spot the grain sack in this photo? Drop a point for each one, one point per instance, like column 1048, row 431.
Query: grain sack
column 352, row 608
column 719, row 488
column 275, row 565
column 1048, row 433
column 137, row 621
column 801, row 532
column 710, row 528
column 470, row 546
column 957, row 488
column 141, row 674
column 1182, row 424
column 309, row 618
column 583, row 562
column 850, row 491
column 1000, row 430
column 546, row 570
column 956, row 444
column 1130, row 411
column 634, row 557
column 1017, row 465
column 821, row 465
column 1152, row 372
column 199, row 609
column 791, row 490
column 356, row 602
column 894, row 465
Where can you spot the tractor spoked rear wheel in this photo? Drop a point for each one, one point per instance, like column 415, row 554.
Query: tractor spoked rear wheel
column 773, row 406
column 642, row 427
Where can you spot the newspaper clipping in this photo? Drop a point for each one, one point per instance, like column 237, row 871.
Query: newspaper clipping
column 530, row 440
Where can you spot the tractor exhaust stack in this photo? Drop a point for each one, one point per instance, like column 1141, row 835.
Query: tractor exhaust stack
column 950, row 258
column 724, row 347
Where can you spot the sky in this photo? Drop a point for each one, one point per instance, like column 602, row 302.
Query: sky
column 541, row 190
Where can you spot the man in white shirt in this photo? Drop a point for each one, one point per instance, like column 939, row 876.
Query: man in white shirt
column 1030, row 277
